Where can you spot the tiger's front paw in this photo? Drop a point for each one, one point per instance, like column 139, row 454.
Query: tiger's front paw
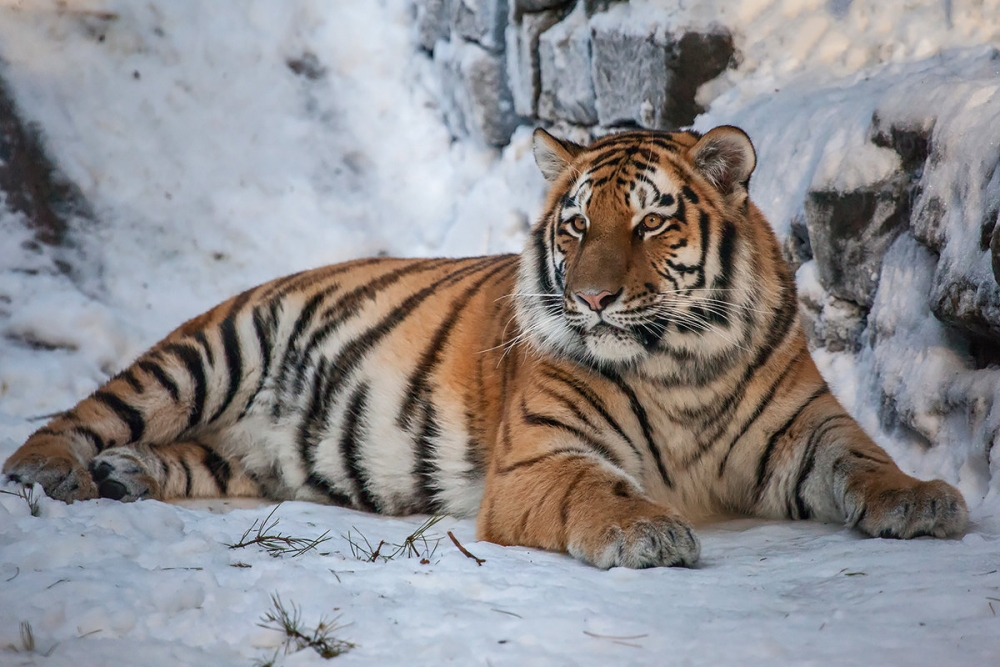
column 61, row 475
column 659, row 541
column 920, row 508
column 121, row 474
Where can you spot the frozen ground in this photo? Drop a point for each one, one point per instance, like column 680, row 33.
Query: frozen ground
column 212, row 166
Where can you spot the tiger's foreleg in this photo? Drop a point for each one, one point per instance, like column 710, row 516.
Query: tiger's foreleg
column 571, row 500
column 824, row 466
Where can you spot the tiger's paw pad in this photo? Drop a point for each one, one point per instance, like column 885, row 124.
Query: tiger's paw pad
column 645, row 542
column 122, row 476
column 927, row 508
column 62, row 477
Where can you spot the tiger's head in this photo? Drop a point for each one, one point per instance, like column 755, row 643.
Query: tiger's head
column 648, row 246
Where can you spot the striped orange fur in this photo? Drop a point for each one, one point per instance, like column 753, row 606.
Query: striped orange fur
column 640, row 365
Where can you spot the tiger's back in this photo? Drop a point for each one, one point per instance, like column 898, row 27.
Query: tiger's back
column 640, row 364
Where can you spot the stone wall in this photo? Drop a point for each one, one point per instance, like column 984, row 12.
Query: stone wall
column 584, row 63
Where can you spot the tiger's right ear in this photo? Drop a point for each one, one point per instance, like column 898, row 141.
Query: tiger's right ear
column 552, row 155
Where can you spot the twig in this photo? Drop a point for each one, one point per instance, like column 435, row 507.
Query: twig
column 275, row 543
column 479, row 561
column 320, row 639
column 623, row 641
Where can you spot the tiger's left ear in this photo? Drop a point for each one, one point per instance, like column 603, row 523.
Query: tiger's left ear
column 725, row 157
column 552, row 155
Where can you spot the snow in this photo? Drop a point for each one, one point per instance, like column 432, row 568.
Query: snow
column 211, row 166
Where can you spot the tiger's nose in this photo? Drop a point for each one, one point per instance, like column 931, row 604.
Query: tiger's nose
column 598, row 301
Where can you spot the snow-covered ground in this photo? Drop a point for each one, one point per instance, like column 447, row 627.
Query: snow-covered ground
column 212, row 165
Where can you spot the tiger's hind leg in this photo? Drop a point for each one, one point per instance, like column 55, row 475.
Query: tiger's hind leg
column 822, row 465
column 188, row 469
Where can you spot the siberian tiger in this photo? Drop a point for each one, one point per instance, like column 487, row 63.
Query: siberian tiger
column 641, row 364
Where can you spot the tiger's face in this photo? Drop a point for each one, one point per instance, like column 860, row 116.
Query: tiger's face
column 637, row 251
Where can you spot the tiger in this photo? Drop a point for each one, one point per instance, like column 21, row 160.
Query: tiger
column 639, row 368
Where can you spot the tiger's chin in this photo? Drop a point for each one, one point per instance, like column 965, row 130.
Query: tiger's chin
column 608, row 346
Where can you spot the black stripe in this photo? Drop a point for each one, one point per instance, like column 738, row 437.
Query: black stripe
column 133, row 382
column 188, row 477
column 417, row 388
column 640, row 415
column 764, row 463
column 762, row 405
column 203, row 341
column 778, row 329
column 424, row 467
column 569, row 405
column 323, row 485
column 808, row 463
column 350, row 305
column 219, row 467
column 866, row 457
column 564, row 503
column 96, row 440
column 264, row 330
column 543, row 262
column 591, row 398
column 535, row 460
column 690, row 194
column 191, row 359
column 153, row 368
column 331, row 377
column 128, row 414
column 727, row 249
column 350, row 439
column 234, row 356
column 536, row 419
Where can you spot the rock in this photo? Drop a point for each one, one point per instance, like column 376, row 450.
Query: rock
column 995, row 251
column 433, row 22
column 567, row 91
column 31, row 184
column 850, row 232
column 477, row 102
column 592, row 7
column 647, row 74
column 480, row 21
column 910, row 141
column 797, row 248
column 520, row 7
column 522, row 59
column 962, row 297
column 832, row 323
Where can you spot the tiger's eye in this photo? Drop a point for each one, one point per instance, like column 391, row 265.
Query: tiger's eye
column 578, row 223
column 651, row 223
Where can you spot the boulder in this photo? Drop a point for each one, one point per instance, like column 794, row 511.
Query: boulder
column 433, row 22
column 647, row 73
column 521, row 7
column 480, row 21
column 567, row 91
column 522, row 59
column 849, row 233
column 476, row 99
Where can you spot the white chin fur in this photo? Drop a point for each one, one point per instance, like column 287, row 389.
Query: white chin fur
column 609, row 348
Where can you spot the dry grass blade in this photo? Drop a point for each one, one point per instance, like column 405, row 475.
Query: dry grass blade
column 416, row 545
column 297, row 637
column 268, row 538
column 27, row 493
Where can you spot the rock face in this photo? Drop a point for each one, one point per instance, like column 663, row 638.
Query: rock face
column 31, row 184
column 477, row 101
column 576, row 62
column 849, row 233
